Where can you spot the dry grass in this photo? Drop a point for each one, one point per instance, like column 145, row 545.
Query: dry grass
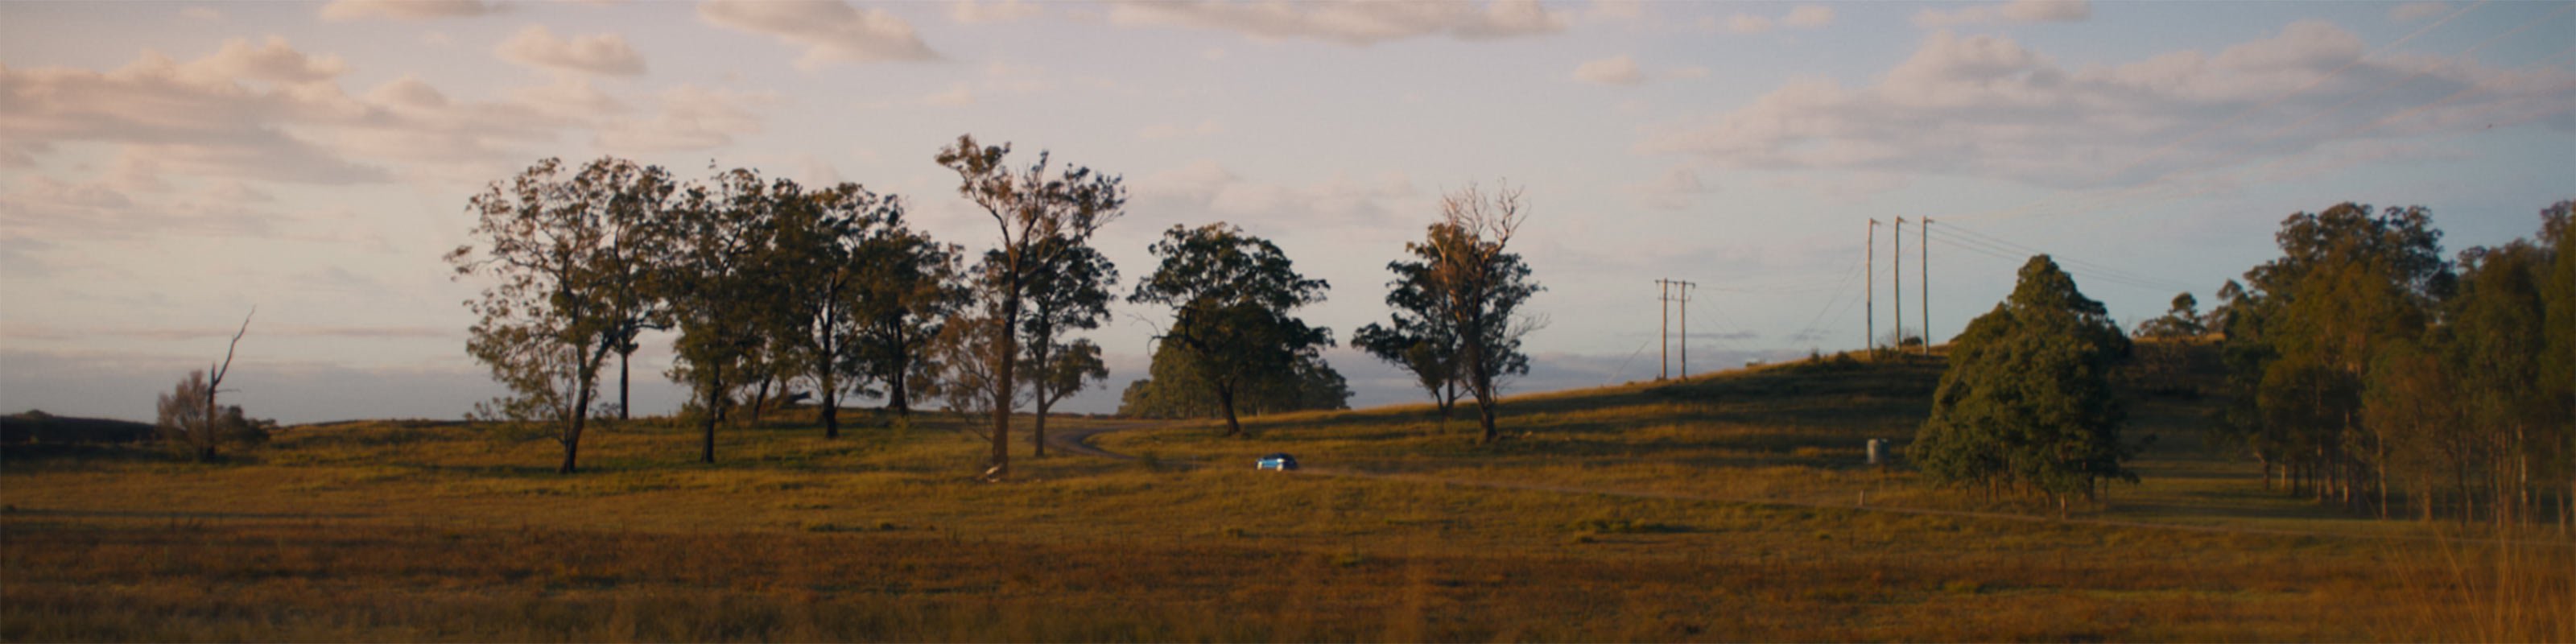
column 420, row 531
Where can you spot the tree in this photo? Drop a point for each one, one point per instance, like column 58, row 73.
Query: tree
column 728, row 306
column 190, row 414
column 2026, row 402
column 1176, row 390
column 571, row 287
column 2181, row 321
column 823, row 243
column 1231, row 295
column 1031, row 206
column 907, row 286
column 1419, row 336
column 1480, row 286
column 2306, row 328
column 1068, row 293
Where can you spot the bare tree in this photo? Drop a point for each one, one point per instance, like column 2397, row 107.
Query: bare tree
column 190, row 413
column 1482, row 286
column 1030, row 206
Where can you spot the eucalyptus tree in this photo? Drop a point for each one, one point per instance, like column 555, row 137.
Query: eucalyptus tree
column 824, row 240
column 1231, row 295
column 2026, row 402
column 1031, row 205
column 727, row 301
column 908, row 286
column 1419, row 337
column 1480, row 286
column 1069, row 293
column 573, row 258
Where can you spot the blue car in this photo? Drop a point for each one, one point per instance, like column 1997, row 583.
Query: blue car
column 1276, row 462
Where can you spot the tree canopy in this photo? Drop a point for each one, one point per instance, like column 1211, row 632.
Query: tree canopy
column 2026, row 403
column 1232, row 296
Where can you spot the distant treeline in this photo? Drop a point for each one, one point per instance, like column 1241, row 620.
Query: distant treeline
column 2367, row 369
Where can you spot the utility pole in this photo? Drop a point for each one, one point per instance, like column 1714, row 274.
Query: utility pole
column 1685, row 288
column 1925, row 236
column 1896, row 259
column 1869, row 292
column 1664, row 332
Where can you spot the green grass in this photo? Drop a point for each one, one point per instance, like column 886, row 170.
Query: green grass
column 1725, row 507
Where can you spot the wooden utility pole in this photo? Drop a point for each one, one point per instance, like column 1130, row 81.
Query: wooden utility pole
column 1925, row 249
column 1664, row 330
column 1684, row 287
column 1896, row 285
column 1869, row 275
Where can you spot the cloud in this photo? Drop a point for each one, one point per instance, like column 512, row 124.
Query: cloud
column 689, row 118
column 340, row 10
column 1616, row 10
column 829, row 30
column 1349, row 23
column 2414, row 11
column 1615, row 70
column 1808, row 17
column 1204, row 186
column 1677, row 189
column 209, row 14
column 958, row 95
column 598, row 54
column 1164, row 131
column 972, row 12
column 1799, row 17
column 1988, row 107
column 2014, row 11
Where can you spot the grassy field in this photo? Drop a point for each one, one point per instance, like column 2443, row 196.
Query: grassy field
column 1726, row 507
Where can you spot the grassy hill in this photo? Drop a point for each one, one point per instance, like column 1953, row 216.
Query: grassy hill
column 1724, row 507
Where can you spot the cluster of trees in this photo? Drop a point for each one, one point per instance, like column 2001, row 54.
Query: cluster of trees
column 2368, row 370
column 2026, row 404
column 1457, row 321
column 771, row 285
column 768, row 285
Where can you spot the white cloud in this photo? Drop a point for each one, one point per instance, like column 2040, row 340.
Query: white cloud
column 597, row 54
column 1808, row 17
column 1340, row 200
column 1350, row 23
column 689, row 118
column 2414, row 11
column 1677, row 189
column 1164, row 131
column 1745, row 23
column 569, row 97
column 829, row 30
column 209, row 14
column 1987, row 107
column 1616, row 10
column 1799, row 17
column 406, row 9
column 1615, row 70
column 973, row 12
column 273, row 61
column 958, row 95
column 2014, row 11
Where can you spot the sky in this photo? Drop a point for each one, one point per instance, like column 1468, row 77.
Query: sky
column 165, row 167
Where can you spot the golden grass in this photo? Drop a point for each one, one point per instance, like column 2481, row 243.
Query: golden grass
column 1647, row 512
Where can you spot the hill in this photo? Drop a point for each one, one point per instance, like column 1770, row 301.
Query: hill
column 34, row 426
column 1723, row 507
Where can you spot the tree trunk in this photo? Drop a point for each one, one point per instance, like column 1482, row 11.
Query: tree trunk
column 1002, row 385
column 1225, row 399
column 572, row 438
column 715, row 413
column 1038, row 388
column 623, row 356
column 898, row 391
column 760, row 399
column 831, row 396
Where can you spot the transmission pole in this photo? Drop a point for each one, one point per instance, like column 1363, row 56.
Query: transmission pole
column 1685, row 288
column 1664, row 331
column 1925, row 236
column 1869, row 275
column 1896, row 259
